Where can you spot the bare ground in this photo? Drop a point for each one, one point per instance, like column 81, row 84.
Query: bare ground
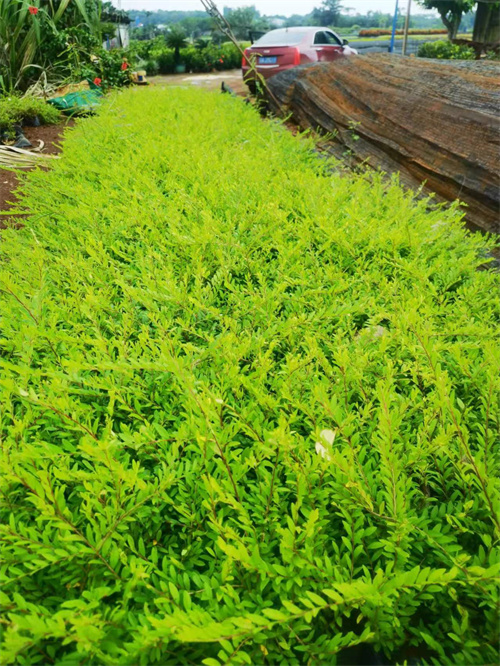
column 51, row 135
column 212, row 81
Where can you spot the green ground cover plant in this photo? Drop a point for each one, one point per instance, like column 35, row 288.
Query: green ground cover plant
column 249, row 406
column 14, row 109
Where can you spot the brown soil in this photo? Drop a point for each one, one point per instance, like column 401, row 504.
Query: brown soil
column 51, row 136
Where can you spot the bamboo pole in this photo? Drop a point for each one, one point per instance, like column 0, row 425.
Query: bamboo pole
column 407, row 27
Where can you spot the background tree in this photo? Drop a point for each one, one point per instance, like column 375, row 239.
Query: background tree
column 450, row 11
column 176, row 39
column 487, row 22
column 245, row 20
column 297, row 20
column 328, row 14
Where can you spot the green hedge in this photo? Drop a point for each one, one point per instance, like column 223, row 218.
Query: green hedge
column 445, row 50
column 249, row 406
column 378, row 32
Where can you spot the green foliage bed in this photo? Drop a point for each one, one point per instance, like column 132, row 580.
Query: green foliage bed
column 445, row 50
column 15, row 109
column 249, row 409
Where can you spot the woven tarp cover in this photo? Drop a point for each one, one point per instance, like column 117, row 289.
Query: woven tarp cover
column 76, row 103
column 433, row 122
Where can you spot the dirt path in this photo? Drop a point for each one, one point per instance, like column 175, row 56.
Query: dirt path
column 212, row 81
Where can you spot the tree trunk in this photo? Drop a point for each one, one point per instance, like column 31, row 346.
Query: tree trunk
column 451, row 24
column 435, row 124
column 487, row 24
column 481, row 21
column 493, row 29
column 455, row 24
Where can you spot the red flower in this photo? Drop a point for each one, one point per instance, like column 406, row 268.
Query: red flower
column 221, row 59
column 124, row 66
column 97, row 81
column 33, row 10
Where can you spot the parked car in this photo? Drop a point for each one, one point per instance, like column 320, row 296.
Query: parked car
column 285, row 48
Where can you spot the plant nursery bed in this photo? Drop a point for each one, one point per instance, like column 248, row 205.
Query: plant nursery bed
column 248, row 404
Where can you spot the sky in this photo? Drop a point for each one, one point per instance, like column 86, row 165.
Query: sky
column 269, row 7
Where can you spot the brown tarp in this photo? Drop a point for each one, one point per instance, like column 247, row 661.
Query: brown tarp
column 434, row 122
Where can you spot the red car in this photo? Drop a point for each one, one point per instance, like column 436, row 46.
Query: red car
column 288, row 47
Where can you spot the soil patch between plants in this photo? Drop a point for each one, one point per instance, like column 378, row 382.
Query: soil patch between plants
column 51, row 135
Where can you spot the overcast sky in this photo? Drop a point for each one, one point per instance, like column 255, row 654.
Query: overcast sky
column 269, row 7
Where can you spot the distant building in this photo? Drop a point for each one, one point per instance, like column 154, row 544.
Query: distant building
column 120, row 39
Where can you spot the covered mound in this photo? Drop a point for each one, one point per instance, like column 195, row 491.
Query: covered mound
column 436, row 123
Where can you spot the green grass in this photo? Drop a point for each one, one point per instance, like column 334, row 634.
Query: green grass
column 14, row 109
column 248, row 407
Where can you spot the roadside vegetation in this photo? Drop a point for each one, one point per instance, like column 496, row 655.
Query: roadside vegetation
column 248, row 404
column 57, row 42
column 60, row 42
column 378, row 32
column 445, row 50
column 204, row 55
column 479, row 19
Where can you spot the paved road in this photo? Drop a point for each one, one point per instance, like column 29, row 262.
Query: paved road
column 382, row 46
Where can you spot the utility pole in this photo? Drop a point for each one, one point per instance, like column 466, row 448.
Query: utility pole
column 407, row 27
column 394, row 26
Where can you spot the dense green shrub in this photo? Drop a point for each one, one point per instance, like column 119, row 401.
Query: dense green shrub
column 445, row 50
column 248, row 406
column 493, row 54
column 166, row 61
column 147, row 48
column 232, row 55
column 203, row 57
column 14, row 109
column 68, row 49
column 212, row 57
column 152, row 67
column 107, row 66
column 34, row 38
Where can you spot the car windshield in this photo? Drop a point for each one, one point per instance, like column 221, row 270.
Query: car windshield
column 281, row 38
